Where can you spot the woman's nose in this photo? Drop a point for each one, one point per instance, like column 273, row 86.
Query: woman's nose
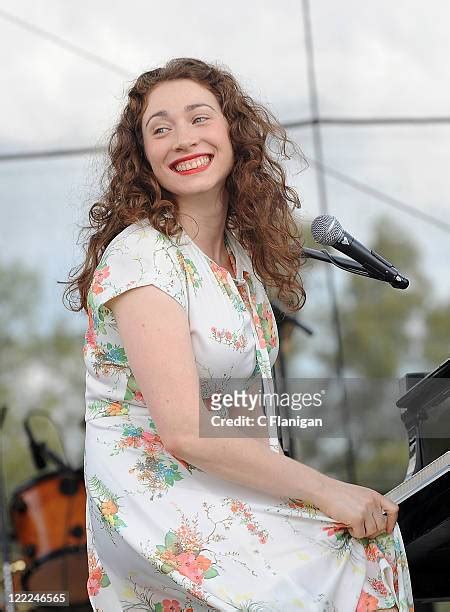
column 185, row 144
column 185, row 139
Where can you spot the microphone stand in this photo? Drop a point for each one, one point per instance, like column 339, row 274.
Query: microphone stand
column 8, row 590
column 282, row 319
column 349, row 265
column 344, row 263
column 40, row 453
column 50, row 455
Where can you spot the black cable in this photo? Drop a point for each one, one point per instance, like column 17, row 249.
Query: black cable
column 315, row 121
column 380, row 195
column 288, row 125
column 367, row 121
column 55, row 153
column 100, row 61
column 344, row 178
column 335, row 261
column 64, row 44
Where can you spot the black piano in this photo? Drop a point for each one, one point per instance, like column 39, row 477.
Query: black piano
column 424, row 495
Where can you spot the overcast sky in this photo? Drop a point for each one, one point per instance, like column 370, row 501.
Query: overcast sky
column 380, row 59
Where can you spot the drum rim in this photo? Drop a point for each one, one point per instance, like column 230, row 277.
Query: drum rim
column 50, row 557
column 42, row 478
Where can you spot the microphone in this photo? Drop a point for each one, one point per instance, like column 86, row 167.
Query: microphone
column 327, row 230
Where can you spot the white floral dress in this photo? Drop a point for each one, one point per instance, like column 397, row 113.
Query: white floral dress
column 163, row 535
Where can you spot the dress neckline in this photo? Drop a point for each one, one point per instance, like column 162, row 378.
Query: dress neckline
column 233, row 255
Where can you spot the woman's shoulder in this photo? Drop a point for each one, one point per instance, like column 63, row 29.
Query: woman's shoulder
column 139, row 237
column 138, row 255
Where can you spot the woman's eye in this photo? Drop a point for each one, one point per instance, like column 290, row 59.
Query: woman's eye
column 163, row 128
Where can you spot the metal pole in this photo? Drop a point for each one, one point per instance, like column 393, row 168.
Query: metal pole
column 7, row 576
column 323, row 205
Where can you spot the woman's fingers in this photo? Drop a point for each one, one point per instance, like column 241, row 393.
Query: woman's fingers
column 371, row 526
column 391, row 509
column 365, row 512
column 382, row 519
column 391, row 519
column 358, row 531
column 377, row 524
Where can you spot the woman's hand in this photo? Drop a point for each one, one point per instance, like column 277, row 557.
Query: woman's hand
column 359, row 508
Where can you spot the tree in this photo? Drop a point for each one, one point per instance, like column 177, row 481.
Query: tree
column 436, row 346
column 39, row 372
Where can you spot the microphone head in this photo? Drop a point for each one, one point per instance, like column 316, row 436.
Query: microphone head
column 326, row 229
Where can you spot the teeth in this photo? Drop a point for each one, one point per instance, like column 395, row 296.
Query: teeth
column 195, row 163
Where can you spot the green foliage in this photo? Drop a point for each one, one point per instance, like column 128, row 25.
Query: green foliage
column 19, row 292
column 437, row 340
column 384, row 467
column 37, row 372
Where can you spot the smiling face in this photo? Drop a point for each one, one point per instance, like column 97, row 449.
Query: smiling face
column 183, row 119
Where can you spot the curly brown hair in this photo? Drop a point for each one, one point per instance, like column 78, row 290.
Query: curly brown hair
column 258, row 211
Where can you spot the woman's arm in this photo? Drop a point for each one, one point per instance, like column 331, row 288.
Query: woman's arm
column 156, row 336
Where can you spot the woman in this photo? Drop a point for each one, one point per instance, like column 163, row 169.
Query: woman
column 180, row 518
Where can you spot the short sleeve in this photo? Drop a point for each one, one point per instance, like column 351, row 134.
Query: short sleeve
column 139, row 256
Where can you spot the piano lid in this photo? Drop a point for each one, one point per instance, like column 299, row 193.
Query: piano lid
column 430, row 390
column 421, row 479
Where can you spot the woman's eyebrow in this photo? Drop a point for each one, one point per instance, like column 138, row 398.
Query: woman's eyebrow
column 189, row 107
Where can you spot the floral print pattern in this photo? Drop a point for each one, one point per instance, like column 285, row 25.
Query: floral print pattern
column 164, row 535
column 107, row 408
column 180, row 552
column 156, row 469
column 97, row 577
column 243, row 511
column 221, row 275
column 194, row 279
column 107, row 504
column 224, row 336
